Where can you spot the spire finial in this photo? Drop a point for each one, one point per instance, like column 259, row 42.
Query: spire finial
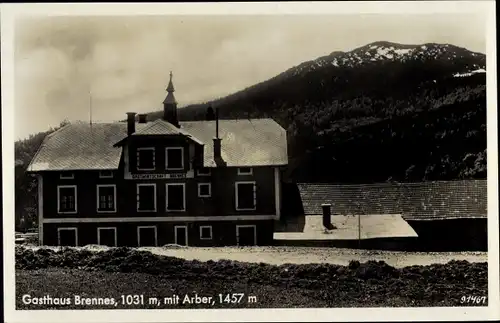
column 170, row 87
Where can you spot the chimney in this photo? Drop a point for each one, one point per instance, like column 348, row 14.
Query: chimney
column 327, row 212
column 217, row 142
column 130, row 123
column 143, row 118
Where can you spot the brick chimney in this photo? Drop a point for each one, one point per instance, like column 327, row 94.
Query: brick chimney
column 217, row 142
column 130, row 123
column 327, row 215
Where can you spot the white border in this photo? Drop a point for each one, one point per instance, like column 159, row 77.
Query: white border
column 209, row 189
column 99, row 201
column 104, row 176
column 146, row 227
column 59, row 199
column 137, row 197
column 182, row 158
column 185, row 233
column 211, row 232
column 106, row 228
column 9, row 11
column 240, row 173
column 137, row 153
column 238, row 227
column 183, row 195
column 236, row 202
column 67, row 229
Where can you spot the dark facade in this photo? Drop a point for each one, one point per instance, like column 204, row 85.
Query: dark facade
column 154, row 183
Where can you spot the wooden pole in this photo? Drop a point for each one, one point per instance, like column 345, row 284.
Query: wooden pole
column 359, row 230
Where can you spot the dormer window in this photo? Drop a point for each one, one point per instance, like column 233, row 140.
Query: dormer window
column 204, row 172
column 67, row 176
column 105, row 174
column 146, row 158
column 245, row 171
column 174, row 158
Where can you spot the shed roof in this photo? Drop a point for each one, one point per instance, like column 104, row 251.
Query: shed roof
column 415, row 201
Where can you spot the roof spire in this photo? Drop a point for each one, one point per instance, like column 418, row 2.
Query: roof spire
column 170, row 104
column 170, row 87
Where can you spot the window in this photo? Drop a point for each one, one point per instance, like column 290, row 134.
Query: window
column 181, row 235
column 67, row 176
column 245, row 196
column 146, row 197
column 147, row 236
column 176, row 197
column 204, row 171
column 146, row 158
column 246, row 235
column 174, row 158
column 67, row 237
column 206, row 232
column 106, row 237
column 106, row 174
column 66, row 199
column 106, row 198
column 204, row 189
column 245, row 171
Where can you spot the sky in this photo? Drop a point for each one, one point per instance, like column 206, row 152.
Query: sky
column 124, row 62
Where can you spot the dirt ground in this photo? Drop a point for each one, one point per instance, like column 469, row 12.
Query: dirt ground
column 307, row 255
column 72, row 272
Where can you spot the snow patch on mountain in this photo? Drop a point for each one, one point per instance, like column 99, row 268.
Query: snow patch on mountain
column 386, row 52
column 470, row 73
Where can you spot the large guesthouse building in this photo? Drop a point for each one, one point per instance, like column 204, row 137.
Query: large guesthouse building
column 150, row 183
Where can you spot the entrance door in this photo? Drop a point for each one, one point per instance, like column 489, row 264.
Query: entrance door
column 181, row 236
column 146, row 236
column 67, row 237
column 246, row 235
column 106, row 237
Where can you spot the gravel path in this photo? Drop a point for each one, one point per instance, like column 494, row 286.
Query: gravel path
column 306, row 255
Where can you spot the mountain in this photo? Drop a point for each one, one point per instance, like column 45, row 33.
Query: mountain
column 381, row 111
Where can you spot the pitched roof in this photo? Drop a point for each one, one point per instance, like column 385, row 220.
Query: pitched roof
column 415, row 201
column 255, row 142
column 79, row 146
column 161, row 127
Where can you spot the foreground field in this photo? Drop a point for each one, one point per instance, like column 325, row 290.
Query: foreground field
column 306, row 255
column 58, row 276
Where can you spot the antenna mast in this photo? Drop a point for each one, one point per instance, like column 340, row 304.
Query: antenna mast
column 90, row 107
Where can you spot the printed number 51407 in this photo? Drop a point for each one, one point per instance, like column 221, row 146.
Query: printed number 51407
column 471, row 299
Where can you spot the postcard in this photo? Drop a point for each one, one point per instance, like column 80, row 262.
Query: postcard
column 299, row 161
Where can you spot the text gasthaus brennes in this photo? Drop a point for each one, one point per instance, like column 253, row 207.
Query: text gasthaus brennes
column 141, row 300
